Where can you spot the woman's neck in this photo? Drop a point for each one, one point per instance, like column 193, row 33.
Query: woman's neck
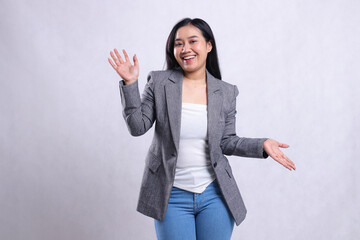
column 199, row 76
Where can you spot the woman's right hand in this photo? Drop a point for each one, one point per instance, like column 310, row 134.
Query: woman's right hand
column 125, row 69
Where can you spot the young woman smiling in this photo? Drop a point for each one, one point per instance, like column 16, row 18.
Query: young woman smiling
column 188, row 186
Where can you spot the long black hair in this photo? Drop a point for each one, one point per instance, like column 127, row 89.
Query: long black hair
column 212, row 62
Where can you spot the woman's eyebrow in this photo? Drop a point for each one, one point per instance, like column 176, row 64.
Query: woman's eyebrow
column 179, row 39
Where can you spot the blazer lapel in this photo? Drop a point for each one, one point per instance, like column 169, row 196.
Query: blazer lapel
column 215, row 102
column 173, row 92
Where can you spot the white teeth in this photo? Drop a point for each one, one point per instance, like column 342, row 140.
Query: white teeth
column 187, row 58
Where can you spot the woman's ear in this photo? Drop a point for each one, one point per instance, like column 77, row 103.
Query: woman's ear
column 209, row 46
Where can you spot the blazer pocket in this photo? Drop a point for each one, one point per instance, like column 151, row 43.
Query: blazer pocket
column 154, row 162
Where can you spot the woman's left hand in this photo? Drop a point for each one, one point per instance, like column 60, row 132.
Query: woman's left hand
column 271, row 147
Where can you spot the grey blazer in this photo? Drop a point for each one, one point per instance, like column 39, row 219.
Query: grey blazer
column 161, row 103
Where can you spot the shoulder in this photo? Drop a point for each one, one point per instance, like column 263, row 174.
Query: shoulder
column 159, row 75
column 230, row 91
column 228, row 87
column 156, row 79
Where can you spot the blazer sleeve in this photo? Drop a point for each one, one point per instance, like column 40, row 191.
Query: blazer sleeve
column 139, row 113
column 231, row 144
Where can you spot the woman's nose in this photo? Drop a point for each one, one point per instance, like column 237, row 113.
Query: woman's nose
column 184, row 48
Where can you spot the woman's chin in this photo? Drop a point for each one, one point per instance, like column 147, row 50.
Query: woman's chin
column 190, row 69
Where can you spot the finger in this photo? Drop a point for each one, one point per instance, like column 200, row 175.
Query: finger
column 289, row 162
column 116, row 60
column 118, row 56
column 283, row 145
column 136, row 62
column 275, row 153
column 284, row 163
column 278, row 152
column 112, row 64
column 281, row 158
column 126, row 56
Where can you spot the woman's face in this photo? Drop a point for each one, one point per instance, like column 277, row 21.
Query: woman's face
column 191, row 49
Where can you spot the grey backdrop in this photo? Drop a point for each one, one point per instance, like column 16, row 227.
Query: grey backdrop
column 69, row 169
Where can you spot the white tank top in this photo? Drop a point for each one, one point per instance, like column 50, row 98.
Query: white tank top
column 193, row 169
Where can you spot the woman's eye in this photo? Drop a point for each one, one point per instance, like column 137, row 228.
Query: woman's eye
column 178, row 44
column 193, row 41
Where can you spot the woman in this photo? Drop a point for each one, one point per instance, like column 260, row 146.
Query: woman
column 188, row 186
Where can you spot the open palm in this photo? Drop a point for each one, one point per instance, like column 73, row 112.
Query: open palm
column 125, row 69
column 272, row 146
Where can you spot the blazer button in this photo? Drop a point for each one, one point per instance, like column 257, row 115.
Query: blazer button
column 215, row 164
column 173, row 154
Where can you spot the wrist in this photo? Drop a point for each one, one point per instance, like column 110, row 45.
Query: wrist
column 129, row 82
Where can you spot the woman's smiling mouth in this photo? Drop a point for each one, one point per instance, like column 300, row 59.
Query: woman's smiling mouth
column 188, row 58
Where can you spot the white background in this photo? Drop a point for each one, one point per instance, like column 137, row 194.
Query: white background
column 69, row 169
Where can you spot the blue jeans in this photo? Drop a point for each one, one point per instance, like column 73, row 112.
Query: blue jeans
column 201, row 216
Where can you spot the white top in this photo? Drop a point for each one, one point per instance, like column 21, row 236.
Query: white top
column 193, row 169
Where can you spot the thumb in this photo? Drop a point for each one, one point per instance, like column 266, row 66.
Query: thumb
column 283, row 145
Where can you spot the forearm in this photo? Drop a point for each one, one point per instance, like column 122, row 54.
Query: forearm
column 137, row 113
column 244, row 147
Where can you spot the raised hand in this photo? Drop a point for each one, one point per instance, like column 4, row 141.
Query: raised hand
column 271, row 147
column 125, row 69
